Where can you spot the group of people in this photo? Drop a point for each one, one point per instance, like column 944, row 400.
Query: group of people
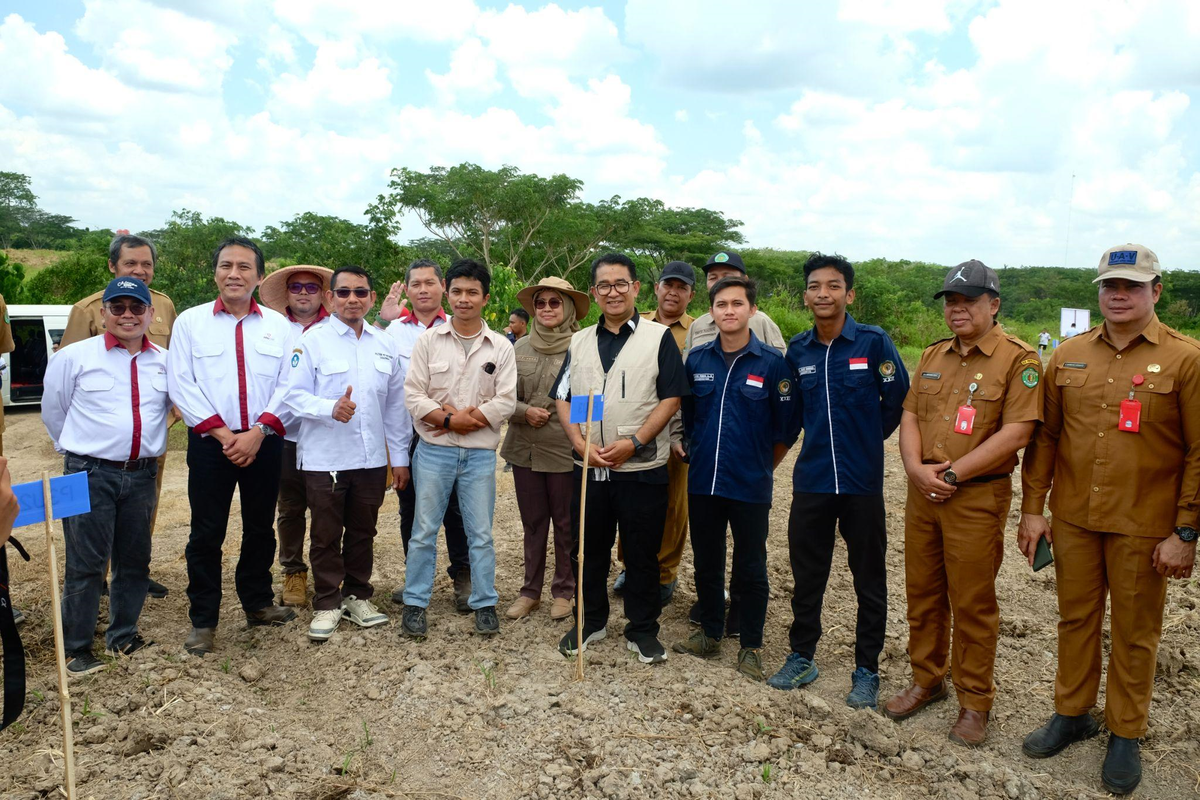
column 301, row 404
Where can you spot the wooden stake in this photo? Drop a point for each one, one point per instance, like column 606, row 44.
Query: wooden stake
column 64, row 694
column 587, row 449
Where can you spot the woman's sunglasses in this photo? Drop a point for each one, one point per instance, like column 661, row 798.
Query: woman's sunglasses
column 547, row 302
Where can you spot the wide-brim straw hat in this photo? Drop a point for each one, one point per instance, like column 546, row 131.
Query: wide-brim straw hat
column 581, row 300
column 273, row 289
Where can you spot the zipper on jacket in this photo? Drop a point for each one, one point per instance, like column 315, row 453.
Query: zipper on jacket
column 622, row 384
column 720, row 423
column 829, row 414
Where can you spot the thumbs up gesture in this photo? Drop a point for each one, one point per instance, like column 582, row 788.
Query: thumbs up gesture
column 343, row 409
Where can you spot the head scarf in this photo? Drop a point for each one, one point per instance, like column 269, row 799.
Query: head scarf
column 551, row 341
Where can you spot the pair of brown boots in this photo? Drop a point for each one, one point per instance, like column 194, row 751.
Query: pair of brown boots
column 970, row 729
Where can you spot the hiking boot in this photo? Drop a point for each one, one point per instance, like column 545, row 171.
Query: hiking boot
column 649, row 650
column 560, row 608
column 750, row 664
column 413, row 623
column 864, row 689
column 1122, row 770
column 733, row 623
column 567, row 645
column 135, row 643
column 698, row 644
column 522, row 607
column 324, row 623
column 1059, row 733
column 619, row 583
column 486, row 623
column 462, row 591
column 694, row 614
column 971, row 727
column 200, row 641
column 665, row 592
column 363, row 613
column 295, row 589
column 156, row 590
column 913, row 699
column 83, row 664
column 796, row 671
column 269, row 615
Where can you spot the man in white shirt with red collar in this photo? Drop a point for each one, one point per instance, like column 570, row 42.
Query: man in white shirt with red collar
column 105, row 406
column 225, row 366
column 299, row 293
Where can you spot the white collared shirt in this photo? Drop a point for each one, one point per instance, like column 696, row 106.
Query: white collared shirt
column 298, row 330
column 226, row 371
column 330, row 358
column 99, row 400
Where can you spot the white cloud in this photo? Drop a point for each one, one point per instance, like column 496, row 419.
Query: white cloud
column 472, row 73
column 681, row 115
column 342, row 82
column 321, row 20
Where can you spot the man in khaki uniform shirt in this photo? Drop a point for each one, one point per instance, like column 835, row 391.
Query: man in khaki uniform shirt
column 1121, row 447
column 973, row 403
column 129, row 257
column 6, row 346
column 727, row 264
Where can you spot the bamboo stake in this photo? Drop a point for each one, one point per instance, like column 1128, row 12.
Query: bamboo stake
column 587, row 449
column 64, row 694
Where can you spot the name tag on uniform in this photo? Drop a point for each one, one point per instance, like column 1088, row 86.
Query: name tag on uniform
column 964, row 423
column 701, row 377
column 811, row 369
column 1130, row 418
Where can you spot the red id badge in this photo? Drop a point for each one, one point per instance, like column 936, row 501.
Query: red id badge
column 1131, row 416
column 964, row 423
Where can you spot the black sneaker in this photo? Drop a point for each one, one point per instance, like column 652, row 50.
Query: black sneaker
column 398, row 596
column 619, row 583
column 156, row 590
column 649, row 650
column 567, row 645
column 486, row 623
column 83, row 664
column 129, row 648
column 412, row 623
column 462, row 591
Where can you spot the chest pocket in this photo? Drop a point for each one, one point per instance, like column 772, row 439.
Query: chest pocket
column 527, row 374
column 97, row 382
column 159, row 382
column 439, row 375
column 987, row 400
column 1159, row 401
column 383, row 373
column 755, row 394
column 208, row 361
column 859, row 389
column 333, row 377
column 929, row 398
column 267, row 362
column 809, row 387
column 1070, row 383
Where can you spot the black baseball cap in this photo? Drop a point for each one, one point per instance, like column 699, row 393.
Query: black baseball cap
column 126, row 287
column 726, row 258
column 680, row 271
column 970, row 278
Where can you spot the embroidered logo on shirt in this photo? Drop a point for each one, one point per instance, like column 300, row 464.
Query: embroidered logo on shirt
column 755, row 381
column 1030, row 377
column 858, row 363
column 785, row 387
column 811, row 369
column 703, row 376
column 295, row 360
column 887, row 369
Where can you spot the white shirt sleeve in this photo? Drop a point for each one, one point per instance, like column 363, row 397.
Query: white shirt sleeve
column 58, row 386
column 184, row 390
column 300, row 394
column 397, row 423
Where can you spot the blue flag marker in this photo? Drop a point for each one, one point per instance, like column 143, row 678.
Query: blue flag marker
column 68, row 495
column 579, row 405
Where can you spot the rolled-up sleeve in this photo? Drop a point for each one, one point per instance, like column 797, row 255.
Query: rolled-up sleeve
column 416, row 382
column 501, row 406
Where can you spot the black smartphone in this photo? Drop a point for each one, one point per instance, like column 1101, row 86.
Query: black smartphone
column 1041, row 556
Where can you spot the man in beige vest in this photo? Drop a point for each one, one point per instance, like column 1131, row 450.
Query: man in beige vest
column 727, row 264
column 635, row 365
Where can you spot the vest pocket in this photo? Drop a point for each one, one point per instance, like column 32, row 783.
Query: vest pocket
column 649, row 453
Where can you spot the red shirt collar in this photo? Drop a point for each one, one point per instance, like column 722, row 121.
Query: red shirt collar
column 111, row 341
column 406, row 315
column 321, row 314
column 219, row 306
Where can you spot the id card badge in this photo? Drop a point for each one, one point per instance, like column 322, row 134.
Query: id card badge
column 964, row 423
column 1131, row 416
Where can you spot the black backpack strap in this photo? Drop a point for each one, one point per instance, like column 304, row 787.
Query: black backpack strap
column 14, row 652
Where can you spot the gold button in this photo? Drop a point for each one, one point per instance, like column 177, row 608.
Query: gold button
column 1101, row 434
column 1097, row 461
column 1068, row 380
column 946, row 418
column 964, row 363
column 924, row 386
column 939, row 445
column 1110, row 380
column 1095, row 488
column 956, row 391
column 1118, row 356
column 1104, row 405
column 1150, row 386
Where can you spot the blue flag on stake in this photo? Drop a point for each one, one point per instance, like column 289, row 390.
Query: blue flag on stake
column 68, row 495
column 579, row 404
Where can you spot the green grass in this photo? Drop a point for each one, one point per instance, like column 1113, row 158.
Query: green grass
column 34, row 260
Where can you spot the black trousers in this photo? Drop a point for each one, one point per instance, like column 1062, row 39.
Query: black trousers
column 749, row 523
column 638, row 511
column 212, row 479
column 811, row 534
column 452, row 521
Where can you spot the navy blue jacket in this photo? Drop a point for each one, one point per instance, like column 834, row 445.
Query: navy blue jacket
column 850, row 399
column 734, row 418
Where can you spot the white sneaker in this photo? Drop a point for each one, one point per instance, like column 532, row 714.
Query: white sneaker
column 363, row 613
column 324, row 623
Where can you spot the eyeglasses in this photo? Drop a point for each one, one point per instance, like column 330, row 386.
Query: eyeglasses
column 119, row 309
column 620, row 287
column 547, row 302
column 304, row 288
column 359, row 292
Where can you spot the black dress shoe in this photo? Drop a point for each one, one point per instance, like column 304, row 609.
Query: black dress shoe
column 1122, row 770
column 1054, row 737
column 156, row 590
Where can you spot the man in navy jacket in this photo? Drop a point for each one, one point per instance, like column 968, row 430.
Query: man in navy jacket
column 851, row 393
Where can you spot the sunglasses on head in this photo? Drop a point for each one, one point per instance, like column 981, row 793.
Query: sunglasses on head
column 359, row 292
column 304, row 288
column 547, row 302
column 119, row 309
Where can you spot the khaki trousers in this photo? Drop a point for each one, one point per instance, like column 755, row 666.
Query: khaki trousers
column 952, row 553
column 1089, row 566
column 674, row 539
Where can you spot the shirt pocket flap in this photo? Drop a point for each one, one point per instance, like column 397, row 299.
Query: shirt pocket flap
column 929, row 387
column 438, row 366
column 702, row 388
column 858, row 380
column 159, row 382
column 207, row 349
column 334, row 367
column 96, row 382
column 383, row 365
column 1070, row 377
column 269, row 349
column 992, row 391
column 1158, row 384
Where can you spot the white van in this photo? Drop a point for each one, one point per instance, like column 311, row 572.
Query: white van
column 36, row 330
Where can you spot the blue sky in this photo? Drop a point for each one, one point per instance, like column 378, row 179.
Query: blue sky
column 937, row 130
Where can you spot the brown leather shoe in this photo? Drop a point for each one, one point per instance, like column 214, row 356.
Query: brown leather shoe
column 522, row 607
column 913, row 699
column 295, row 589
column 971, row 728
column 560, row 608
column 270, row 615
column 200, row 641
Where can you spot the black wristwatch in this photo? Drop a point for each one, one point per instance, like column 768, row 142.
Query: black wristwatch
column 638, row 447
column 446, row 422
column 1186, row 534
column 950, row 476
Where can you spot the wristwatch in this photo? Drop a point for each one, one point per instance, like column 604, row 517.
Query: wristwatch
column 1186, row 534
column 950, row 476
column 638, row 447
column 446, row 422
column 265, row 429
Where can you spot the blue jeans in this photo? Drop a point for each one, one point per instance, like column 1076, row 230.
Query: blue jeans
column 117, row 529
column 437, row 471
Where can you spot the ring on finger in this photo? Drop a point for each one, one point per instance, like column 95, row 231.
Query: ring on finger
column 933, row 495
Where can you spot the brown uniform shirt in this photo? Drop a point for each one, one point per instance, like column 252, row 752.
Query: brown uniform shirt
column 679, row 328
column 1008, row 377
column 7, row 345
column 1105, row 479
column 85, row 320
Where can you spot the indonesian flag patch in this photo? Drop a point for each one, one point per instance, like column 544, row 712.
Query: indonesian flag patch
column 858, row 363
column 755, row 381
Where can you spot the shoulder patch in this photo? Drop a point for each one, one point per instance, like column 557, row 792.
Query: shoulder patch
column 1030, row 377
column 887, row 369
column 1031, row 361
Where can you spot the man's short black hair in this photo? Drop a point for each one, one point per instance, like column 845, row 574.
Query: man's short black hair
column 351, row 269
column 423, row 263
column 129, row 240
column 469, row 268
column 520, row 312
column 241, row 241
column 615, row 258
column 818, row 261
column 731, row 282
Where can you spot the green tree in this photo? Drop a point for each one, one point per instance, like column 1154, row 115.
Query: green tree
column 16, row 198
column 185, row 247
column 686, row 234
column 12, row 280
column 311, row 238
column 81, row 272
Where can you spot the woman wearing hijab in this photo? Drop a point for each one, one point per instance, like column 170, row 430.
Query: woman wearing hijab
column 537, row 447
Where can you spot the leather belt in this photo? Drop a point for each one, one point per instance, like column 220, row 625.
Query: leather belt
column 124, row 466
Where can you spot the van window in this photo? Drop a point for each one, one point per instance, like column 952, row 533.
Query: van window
column 29, row 359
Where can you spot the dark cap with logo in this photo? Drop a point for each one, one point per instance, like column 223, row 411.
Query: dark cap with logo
column 126, row 287
column 680, row 271
column 726, row 258
column 970, row 278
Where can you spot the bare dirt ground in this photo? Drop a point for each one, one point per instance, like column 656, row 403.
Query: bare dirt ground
column 369, row 716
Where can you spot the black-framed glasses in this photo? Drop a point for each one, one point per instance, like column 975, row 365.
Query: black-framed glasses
column 119, row 309
column 304, row 288
column 620, row 287
column 547, row 302
column 358, row 292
